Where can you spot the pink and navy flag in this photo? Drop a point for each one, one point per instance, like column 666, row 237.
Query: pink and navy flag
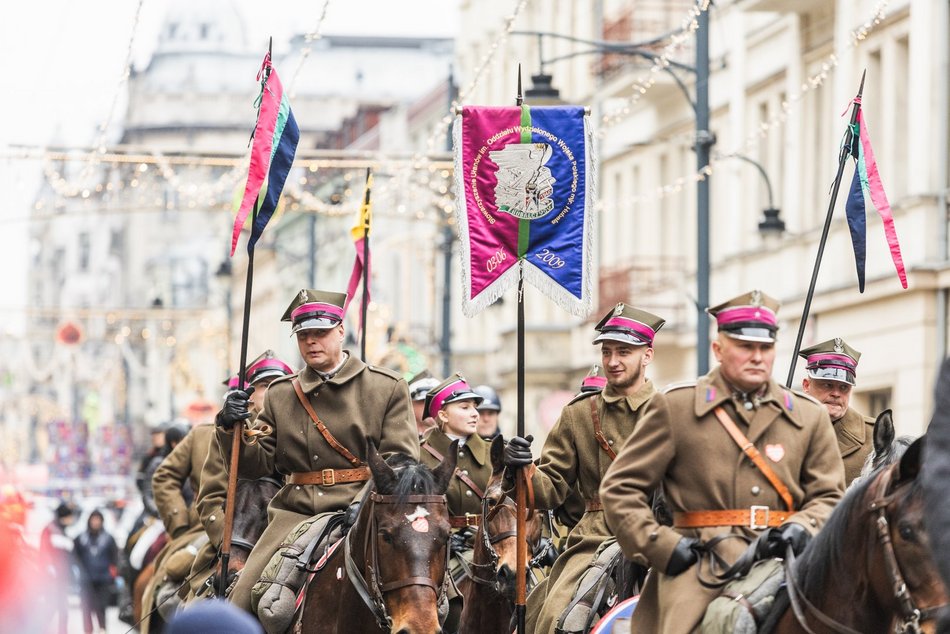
column 524, row 192
column 866, row 186
column 272, row 154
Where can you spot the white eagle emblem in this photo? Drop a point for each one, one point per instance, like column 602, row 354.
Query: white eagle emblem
column 525, row 185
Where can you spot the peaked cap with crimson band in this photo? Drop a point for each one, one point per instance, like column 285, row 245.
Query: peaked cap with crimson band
column 749, row 317
column 831, row 360
column 266, row 366
column 420, row 384
column 451, row 390
column 594, row 381
column 627, row 324
column 315, row 310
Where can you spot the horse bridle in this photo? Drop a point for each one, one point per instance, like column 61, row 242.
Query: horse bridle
column 372, row 591
column 911, row 615
column 472, row 569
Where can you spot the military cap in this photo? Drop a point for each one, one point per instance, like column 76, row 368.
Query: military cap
column 231, row 382
column 420, row 384
column 594, row 381
column 451, row 390
column 629, row 325
column 831, row 360
column 266, row 366
column 315, row 310
column 749, row 317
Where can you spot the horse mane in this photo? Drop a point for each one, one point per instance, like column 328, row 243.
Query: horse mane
column 412, row 477
column 825, row 552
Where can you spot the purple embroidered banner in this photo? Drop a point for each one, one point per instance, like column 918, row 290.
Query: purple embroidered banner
column 525, row 192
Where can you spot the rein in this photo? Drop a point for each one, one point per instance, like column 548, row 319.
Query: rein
column 372, row 591
column 910, row 614
column 472, row 569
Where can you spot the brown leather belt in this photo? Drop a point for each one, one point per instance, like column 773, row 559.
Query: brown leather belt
column 593, row 505
column 754, row 517
column 463, row 521
column 329, row 477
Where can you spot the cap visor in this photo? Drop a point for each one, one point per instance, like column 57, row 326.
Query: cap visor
column 621, row 337
column 760, row 335
column 464, row 396
column 831, row 374
column 489, row 408
column 314, row 324
column 266, row 374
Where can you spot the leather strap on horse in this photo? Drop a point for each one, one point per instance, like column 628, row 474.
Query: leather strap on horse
column 333, row 442
column 472, row 520
column 598, row 432
column 329, row 477
column 458, row 472
column 753, row 454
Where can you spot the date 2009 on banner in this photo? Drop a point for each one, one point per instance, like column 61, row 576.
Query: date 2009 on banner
column 551, row 259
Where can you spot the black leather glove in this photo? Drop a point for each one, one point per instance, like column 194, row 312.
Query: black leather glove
column 684, row 555
column 236, row 408
column 791, row 534
column 460, row 541
column 545, row 554
column 518, row 452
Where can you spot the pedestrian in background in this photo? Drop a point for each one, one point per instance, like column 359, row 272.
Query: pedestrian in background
column 56, row 551
column 98, row 557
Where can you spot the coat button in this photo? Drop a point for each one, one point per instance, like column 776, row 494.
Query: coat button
column 610, row 442
column 468, row 494
column 464, row 471
column 297, row 487
column 212, row 518
column 320, row 493
column 315, row 457
column 653, row 536
column 813, row 522
column 462, row 454
column 756, row 490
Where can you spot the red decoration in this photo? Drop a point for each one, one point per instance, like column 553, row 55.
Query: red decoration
column 69, row 334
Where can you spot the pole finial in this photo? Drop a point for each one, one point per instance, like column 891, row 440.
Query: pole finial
column 861, row 87
column 519, row 100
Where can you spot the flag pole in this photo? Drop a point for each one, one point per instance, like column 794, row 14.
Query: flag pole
column 521, row 484
column 847, row 149
column 365, row 303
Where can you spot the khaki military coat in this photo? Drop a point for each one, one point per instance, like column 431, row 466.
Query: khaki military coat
column 212, row 495
column 474, row 461
column 680, row 445
column 573, row 463
column 182, row 464
column 855, row 434
column 357, row 403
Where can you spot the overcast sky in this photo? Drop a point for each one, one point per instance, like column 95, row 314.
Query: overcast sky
column 64, row 58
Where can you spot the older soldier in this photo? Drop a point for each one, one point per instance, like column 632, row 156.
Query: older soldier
column 419, row 386
column 582, row 445
column 701, row 442
column 213, row 486
column 321, row 418
column 831, row 367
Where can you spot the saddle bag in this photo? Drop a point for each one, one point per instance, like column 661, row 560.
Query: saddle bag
column 592, row 588
column 745, row 602
column 274, row 596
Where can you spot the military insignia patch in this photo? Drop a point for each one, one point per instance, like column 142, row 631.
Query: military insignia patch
column 619, row 309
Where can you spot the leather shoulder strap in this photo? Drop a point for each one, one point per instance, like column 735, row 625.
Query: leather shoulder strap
column 753, row 454
column 598, row 432
column 333, row 442
column 458, row 472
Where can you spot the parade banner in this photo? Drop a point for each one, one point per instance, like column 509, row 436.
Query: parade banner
column 361, row 264
column 866, row 185
column 525, row 192
column 272, row 154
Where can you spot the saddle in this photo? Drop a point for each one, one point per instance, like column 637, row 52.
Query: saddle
column 277, row 596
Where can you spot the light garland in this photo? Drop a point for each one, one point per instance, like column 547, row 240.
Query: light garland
column 309, row 38
column 751, row 141
column 688, row 26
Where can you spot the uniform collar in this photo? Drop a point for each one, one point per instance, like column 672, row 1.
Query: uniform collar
column 712, row 391
column 476, row 445
column 310, row 379
column 633, row 401
column 851, row 430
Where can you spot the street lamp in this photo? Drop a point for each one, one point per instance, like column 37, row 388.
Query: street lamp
column 771, row 224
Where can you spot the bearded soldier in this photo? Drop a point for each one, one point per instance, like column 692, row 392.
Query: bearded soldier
column 736, row 455
column 581, row 446
column 321, row 419
column 831, row 367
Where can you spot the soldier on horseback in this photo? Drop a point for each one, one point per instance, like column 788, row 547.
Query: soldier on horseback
column 321, row 418
column 581, row 446
column 701, row 443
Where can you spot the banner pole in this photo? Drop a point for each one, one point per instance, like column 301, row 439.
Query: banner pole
column 521, row 560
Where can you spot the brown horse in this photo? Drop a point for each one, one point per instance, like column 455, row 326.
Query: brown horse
column 869, row 570
column 390, row 573
column 489, row 586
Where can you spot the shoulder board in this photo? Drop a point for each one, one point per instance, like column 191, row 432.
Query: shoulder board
column 580, row 397
column 807, row 397
column 385, row 371
column 869, row 420
column 677, row 386
column 286, row 377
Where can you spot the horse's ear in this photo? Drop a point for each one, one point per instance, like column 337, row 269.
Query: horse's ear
column 497, row 454
column 446, row 469
column 383, row 475
column 911, row 460
column 883, row 432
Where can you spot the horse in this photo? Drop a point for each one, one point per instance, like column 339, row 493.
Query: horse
column 869, row 570
column 390, row 573
column 489, row 585
column 888, row 447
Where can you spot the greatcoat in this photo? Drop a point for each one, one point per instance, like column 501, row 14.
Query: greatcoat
column 474, row 461
column 680, row 444
column 855, row 434
column 359, row 402
column 573, row 463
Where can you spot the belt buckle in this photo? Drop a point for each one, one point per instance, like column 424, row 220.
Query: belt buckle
column 471, row 520
column 329, row 477
column 752, row 511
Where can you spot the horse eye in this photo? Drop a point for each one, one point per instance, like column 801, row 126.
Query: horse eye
column 907, row 532
column 387, row 536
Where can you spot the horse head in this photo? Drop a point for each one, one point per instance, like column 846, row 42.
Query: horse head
column 405, row 530
column 888, row 447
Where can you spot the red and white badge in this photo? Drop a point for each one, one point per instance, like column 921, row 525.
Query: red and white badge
column 418, row 521
column 775, row 452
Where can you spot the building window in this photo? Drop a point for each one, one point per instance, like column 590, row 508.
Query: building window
column 84, row 251
column 877, row 401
